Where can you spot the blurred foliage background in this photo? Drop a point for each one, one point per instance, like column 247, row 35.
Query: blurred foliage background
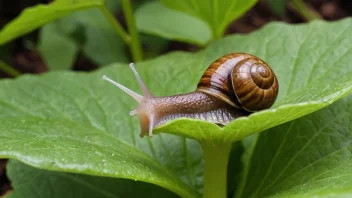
column 85, row 40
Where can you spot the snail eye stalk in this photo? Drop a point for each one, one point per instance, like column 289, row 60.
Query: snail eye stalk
column 133, row 94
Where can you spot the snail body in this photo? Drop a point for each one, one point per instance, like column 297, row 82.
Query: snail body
column 234, row 85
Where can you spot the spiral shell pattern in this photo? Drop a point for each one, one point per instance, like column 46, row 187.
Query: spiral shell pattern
column 241, row 80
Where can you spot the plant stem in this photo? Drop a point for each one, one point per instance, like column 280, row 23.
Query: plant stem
column 215, row 169
column 306, row 12
column 117, row 26
column 135, row 45
column 8, row 69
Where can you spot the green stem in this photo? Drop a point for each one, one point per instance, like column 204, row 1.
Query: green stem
column 135, row 45
column 307, row 13
column 215, row 169
column 8, row 69
column 117, row 26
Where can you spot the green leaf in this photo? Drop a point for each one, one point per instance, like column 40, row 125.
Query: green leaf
column 72, row 130
column 76, row 122
column 311, row 76
column 102, row 43
column 91, row 31
column 63, row 145
column 34, row 17
column 217, row 14
column 308, row 157
column 153, row 45
column 58, row 50
column 154, row 18
column 113, row 5
column 235, row 166
column 277, row 6
column 31, row 182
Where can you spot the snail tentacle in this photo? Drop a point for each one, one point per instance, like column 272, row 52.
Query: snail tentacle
column 133, row 94
column 144, row 88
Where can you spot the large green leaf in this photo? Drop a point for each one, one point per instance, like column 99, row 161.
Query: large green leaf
column 216, row 13
column 61, row 144
column 312, row 74
column 34, row 17
column 35, row 183
column 308, row 157
column 74, row 131
column 76, row 122
column 154, row 18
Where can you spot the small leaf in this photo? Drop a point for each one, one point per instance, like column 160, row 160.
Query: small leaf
column 74, row 185
column 102, row 44
column 153, row 45
column 93, row 34
column 154, row 18
column 277, row 6
column 113, row 5
column 217, row 14
column 308, row 157
column 58, row 50
column 34, row 17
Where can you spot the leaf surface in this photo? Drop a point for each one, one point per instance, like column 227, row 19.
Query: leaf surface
column 218, row 14
column 30, row 182
column 154, row 18
column 278, row 6
column 311, row 75
column 57, row 49
column 103, row 45
column 34, row 17
column 307, row 157
column 87, row 29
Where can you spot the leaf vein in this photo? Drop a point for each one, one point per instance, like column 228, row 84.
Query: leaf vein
column 300, row 151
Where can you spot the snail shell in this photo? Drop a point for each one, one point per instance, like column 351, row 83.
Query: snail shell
column 241, row 80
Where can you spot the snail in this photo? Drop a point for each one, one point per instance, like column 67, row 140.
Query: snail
column 234, row 85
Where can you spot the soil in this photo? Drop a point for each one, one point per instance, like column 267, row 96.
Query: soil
column 29, row 61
